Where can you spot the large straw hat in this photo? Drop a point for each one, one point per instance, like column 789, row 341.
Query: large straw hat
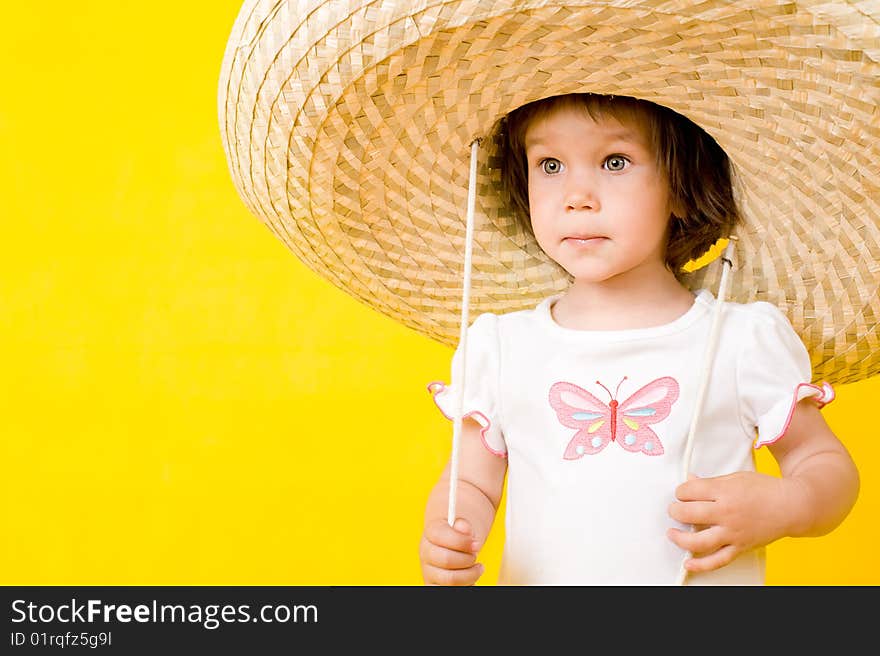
column 347, row 128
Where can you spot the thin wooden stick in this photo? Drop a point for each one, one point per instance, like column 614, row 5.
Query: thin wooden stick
column 708, row 361
column 462, row 339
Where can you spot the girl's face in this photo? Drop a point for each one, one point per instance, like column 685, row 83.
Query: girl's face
column 599, row 204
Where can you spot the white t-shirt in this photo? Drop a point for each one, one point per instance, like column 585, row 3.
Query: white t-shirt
column 589, row 481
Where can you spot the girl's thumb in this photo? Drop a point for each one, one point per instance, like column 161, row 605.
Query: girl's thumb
column 463, row 526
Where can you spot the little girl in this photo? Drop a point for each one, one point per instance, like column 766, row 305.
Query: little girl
column 583, row 403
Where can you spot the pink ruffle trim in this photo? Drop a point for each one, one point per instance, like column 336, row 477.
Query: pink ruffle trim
column 826, row 395
column 437, row 387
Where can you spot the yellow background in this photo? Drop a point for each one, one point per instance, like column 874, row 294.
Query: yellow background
column 181, row 400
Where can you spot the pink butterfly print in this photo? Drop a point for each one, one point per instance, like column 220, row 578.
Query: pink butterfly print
column 626, row 423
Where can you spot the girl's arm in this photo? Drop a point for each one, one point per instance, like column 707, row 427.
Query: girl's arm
column 823, row 479
column 732, row 514
column 448, row 555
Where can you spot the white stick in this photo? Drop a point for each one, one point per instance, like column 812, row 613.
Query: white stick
column 459, row 374
column 708, row 361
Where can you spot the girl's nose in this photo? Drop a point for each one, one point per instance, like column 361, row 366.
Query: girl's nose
column 580, row 201
column 580, row 193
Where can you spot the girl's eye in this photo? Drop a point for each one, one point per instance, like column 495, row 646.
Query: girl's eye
column 616, row 162
column 551, row 166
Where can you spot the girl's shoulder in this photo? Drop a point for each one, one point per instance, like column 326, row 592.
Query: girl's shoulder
column 493, row 322
column 761, row 331
column 762, row 313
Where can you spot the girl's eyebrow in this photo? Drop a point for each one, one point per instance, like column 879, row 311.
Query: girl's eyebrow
column 533, row 141
column 624, row 134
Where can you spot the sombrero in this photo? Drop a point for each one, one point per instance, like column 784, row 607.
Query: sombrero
column 347, row 129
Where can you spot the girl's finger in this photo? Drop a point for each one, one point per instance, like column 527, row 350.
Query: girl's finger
column 438, row 576
column 463, row 526
column 693, row 512
column 441, row 533
column 443, row 558
column 700, row 542
column 712, row 561
column 696, row 489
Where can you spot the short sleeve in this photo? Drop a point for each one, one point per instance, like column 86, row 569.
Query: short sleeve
column 480, row 382
column 773, row 374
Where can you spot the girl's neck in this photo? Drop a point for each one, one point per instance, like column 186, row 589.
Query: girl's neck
column 622, row 305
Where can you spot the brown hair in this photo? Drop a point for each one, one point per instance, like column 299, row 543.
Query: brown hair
column 698, row 171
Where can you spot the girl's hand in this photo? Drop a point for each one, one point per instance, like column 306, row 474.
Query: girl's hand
column 448, row 554
column 731, row 515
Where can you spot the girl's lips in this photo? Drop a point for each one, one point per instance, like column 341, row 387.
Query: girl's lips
column 584, row 240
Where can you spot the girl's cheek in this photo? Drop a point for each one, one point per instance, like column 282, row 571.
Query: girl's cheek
column 534, row 193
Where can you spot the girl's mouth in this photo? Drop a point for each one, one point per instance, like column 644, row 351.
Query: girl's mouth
column 584, row 241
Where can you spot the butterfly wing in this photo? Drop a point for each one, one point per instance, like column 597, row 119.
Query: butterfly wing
column 649, row 405
column 577, row 408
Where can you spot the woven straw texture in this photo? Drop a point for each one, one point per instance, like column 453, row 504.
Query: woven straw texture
column 347, row 125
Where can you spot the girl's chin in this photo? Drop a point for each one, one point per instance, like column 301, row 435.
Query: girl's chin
column 582, row 276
